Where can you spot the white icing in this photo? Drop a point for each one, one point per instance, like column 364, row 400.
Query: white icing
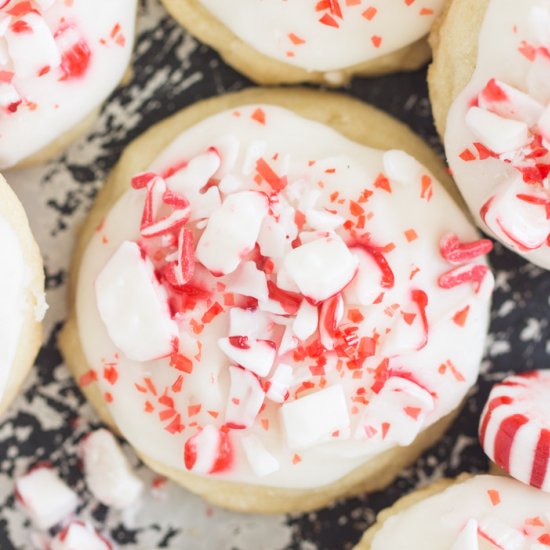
column 293, row 32
column 193, row 393
column 512, row 49
column 34, row 68
column 466, row 516
column 14, row 280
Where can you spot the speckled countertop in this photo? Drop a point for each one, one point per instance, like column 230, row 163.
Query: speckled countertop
column 171, row 71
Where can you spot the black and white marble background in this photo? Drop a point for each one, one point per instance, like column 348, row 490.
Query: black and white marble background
column 171, row 71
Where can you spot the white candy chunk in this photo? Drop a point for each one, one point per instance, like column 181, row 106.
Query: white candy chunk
column 133, row 306
column 285, row 281
column 34, row 50
column 467, row 539
column 500, row 135
column 401, row 167
column 279, row 383
column 244, row 322
column 228, row 148
column 191, row 179
column 230, row 184
column 203, row 450
column 501, row 534
column 315, row 417
column 8, row 94
column 323, row 221
column 45, row 497
column 79, row 536
column 260, row 459
column 306, row 320
column 287, row 220
column 516, row 105
column 255, row 355
column 253, row 153
column 248, row 280
column 109, row 476
column 232, row 231
column 309, row 199
column 397, row 413
column 538, row 79
column 520, row 224
column 366, row 286
column 332, row 312
column 5, row 21
column 288, row 341
column 403, row 337
column 321, row 268
column 539, row 19
column 272, row 239
column 544, row 123
column 245, row 399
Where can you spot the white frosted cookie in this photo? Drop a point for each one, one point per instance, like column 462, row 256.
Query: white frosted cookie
column 22, row 301
column 327, row 41
column 59, row 60
column 274, row 303
column 491, row 95
column 482, row 512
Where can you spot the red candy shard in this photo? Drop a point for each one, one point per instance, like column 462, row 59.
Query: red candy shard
column 457, row 252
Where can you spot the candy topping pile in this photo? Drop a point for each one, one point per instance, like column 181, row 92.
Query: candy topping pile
column 515, row 427
column 257, row 294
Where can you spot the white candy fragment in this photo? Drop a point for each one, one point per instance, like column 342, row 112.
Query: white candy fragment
column 521, row 224
column 517, row 105
column 397, row 413
column 279, row 383
column 332, row 312
column 228, row 148
column 79, row 535
column 253, row 153
column 272, row 239
column 245, row 400
column 323, row 221
column 321, row 268
column 500, row 135
column 401, row 167
column 538, row 79
column 38, row 40
column 366, row 286
column 539, row 19
column 404, row 337
column 8, row 95
column 248, row 280
column 109, row 476
column 255, row 355
column 467, row 539
column 249, row 323
column 190, row 181
column 288, row 341
column 232, row 231
column 315, row 417
column 47, row 499
column 230, row 184
column 260, row 459
column 544, row 123
column 133, row 306
column 306, row 321
column 500, row 534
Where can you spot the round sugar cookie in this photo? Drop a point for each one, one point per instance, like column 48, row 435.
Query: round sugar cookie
column 22, row 301
column 491, row 101
column 482, row 511
column 325, row 42
column 302, row 328
column 58, row 62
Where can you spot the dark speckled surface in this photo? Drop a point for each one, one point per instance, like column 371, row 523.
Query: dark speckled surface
column 172, row 71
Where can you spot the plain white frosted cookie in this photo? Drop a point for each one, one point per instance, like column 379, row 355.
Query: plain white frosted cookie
column 272, row 299
column 469, row 513
column 303, row 41
column 58, row 62
column 22, row 301
column 489, row 86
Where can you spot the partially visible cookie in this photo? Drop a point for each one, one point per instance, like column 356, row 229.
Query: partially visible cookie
column 275, row 302
column 471, row 512
column 22, row 301
column 490, row 91
column 59, row 61
column 303, row 41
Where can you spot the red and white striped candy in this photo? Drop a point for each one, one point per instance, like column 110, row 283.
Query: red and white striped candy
column 208, row 451
column 246, row 398
column 515, row 427
column 79, row 535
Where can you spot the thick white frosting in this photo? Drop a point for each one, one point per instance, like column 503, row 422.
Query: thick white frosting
column 14, row 279
column 466, row 515
column 287, row 445
column 513, row 50
column 48, row 102
column 328, row 35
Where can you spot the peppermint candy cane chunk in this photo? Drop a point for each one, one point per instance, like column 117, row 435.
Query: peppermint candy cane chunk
column 515, row 427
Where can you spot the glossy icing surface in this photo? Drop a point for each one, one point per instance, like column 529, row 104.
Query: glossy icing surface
column 327, row 35
column 332, row 372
